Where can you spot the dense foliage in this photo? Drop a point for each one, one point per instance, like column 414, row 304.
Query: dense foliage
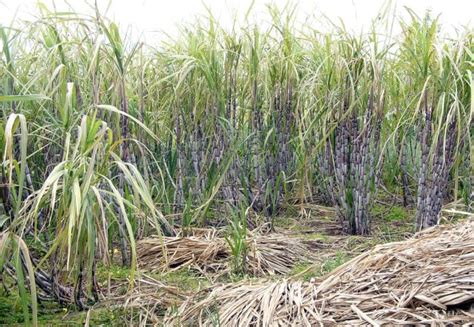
column 106, row 140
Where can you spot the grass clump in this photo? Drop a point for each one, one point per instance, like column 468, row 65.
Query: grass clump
column 332, row 263
column 185, row 279
column 315, row 237
column 306, row 271
column 394, row 213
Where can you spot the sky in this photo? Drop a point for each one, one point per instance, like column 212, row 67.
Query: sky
column 151, row 19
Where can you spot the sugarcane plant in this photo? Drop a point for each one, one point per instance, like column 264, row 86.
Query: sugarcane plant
column 438, row 75
column 237, row 240
column 66, row 205
column 273, row 78
column 105, row 140
column 79, row 198
column 350, row 101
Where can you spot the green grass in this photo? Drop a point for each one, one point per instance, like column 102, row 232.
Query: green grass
column 315, row 237
column 50, row 314
column 307, row 270
column 185, row 279
column 334, row 262
column 304, row 270
column 114, row 272
column 393, row 213
column 10, row 310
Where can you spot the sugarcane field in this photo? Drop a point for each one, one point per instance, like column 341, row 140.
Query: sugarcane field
column 236, row 163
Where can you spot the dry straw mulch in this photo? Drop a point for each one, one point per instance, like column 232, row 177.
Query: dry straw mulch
column 161, row 254
column 145, row 302
column 207, row 252
column 428, row 279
